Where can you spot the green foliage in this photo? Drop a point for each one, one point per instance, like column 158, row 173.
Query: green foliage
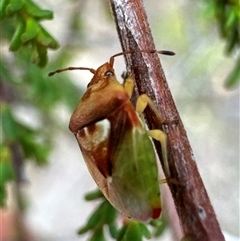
column 6, row 172
column 26, row 86
column 26, row 16
column 159, row 226
column 33, row 146
column 234, row 76
column 227, row 14
column 40, row 94
column 133, row 230
column 16, row 132
column 106, row 216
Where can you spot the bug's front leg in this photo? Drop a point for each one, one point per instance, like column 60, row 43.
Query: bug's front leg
column 142, row 102
column 129, row 85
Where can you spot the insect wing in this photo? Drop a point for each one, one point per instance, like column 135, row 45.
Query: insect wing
column 134, row 188
column 122, row 161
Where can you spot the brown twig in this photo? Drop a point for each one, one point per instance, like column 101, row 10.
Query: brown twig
column 195, row 211
column 18, row 164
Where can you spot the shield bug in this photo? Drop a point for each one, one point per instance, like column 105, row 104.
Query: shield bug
column 115, row 143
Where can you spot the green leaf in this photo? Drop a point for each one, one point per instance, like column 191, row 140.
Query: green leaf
column 93, row 195
column 31, row 148
column 104, row 214
column 133, row 230
column 9, row 125
column 97, row 235
column 31, row 31
column 94, row 221
column 113, row 230
column 110, row 213
column 144, row 230
column 3, row 5
column 233, row 35
column 42, row 52
column 231, row 19
column 39, row 55
column 35, row 56
column 6, row 172
column 6, row 168
column 234, row 77
column 159, row 225
column 34, row 10
column 121, row 233
column 34, row 150
column 44, row 38
column 16, row 41
column 14, row 6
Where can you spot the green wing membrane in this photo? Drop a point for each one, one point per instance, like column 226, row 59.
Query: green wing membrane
column 134, row 187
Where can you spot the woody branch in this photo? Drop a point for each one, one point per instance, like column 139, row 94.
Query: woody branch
column 193, row 206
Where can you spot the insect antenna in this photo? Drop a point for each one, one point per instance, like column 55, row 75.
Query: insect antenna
column 165, row 52
column 71, row 68
column 111, row 61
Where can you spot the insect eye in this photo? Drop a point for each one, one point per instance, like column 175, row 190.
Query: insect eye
column 109, row 73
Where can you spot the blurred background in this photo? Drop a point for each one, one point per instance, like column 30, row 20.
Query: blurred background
column 53, row 180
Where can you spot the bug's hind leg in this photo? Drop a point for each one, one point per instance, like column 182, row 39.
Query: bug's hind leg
column 162, row 138
column 142, row 102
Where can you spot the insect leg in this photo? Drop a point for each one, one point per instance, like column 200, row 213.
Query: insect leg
column 163, row 181
column 142, row 102
column 162, row 137
column 129, row 85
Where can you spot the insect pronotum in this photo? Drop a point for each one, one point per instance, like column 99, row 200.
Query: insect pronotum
column 115, row 144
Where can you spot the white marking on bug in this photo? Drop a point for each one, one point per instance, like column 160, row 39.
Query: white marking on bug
column 104, row 126
column 100, row 133
column 96, row 135
column 86, row 131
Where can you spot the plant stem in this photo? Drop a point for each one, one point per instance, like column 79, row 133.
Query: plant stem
column 193, row 206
